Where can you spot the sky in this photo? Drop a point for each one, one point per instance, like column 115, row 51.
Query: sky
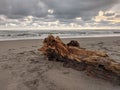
column 59, row 14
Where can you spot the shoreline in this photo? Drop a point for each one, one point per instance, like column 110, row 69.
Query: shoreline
column 86, row 37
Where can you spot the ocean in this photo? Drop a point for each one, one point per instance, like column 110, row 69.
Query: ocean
column 40, row 34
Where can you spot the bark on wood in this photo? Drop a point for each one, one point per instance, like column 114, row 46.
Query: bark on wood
column 96, row 64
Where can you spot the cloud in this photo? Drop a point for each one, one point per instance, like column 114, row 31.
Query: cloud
column 69, row 9
column 109, row 13
column 21, row 8
column 62, row 8
column 39, row 13
column 106, row 19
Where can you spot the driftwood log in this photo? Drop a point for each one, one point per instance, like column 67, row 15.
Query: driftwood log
column 96, row 64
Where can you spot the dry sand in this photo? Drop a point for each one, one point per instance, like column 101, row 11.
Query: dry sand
column 22, row 67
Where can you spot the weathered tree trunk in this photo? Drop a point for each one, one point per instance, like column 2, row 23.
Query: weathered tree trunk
column 97, row 64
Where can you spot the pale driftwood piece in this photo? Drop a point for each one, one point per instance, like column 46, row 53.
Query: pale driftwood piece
column 97, row 64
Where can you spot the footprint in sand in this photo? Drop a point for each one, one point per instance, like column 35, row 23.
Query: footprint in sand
column 34, row 46
column 23, row 47
column 32, row 84
column 6, row 66
column 11, row 49
column 66, row 72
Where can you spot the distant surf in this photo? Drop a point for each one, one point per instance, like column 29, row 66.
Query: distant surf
column 40, row 34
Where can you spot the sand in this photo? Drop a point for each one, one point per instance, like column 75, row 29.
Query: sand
column 22, row 67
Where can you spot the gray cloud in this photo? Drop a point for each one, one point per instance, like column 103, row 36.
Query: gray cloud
column 117, row 16
column 63, row 10
column 109, row 14
column 19, row 8
column 67, row 9
column 74, row 8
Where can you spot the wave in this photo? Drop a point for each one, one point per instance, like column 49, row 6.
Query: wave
column 40, row 34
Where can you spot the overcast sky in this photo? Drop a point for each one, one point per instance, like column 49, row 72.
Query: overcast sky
column 59, row 13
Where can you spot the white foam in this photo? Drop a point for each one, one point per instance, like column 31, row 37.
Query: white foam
column 61, row 36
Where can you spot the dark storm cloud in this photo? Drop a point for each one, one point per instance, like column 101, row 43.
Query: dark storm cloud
column 19, row 8
column 117, row 16
column 109, row 14
column 73, row 8
column 67, row 9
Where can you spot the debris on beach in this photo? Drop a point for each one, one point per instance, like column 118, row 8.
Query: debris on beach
column 93, row 63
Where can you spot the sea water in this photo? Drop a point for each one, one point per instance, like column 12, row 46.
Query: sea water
column 40, row 34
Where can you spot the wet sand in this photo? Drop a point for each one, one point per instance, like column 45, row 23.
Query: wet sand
column 22, row 67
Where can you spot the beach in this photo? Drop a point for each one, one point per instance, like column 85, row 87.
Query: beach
column 23, row 67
